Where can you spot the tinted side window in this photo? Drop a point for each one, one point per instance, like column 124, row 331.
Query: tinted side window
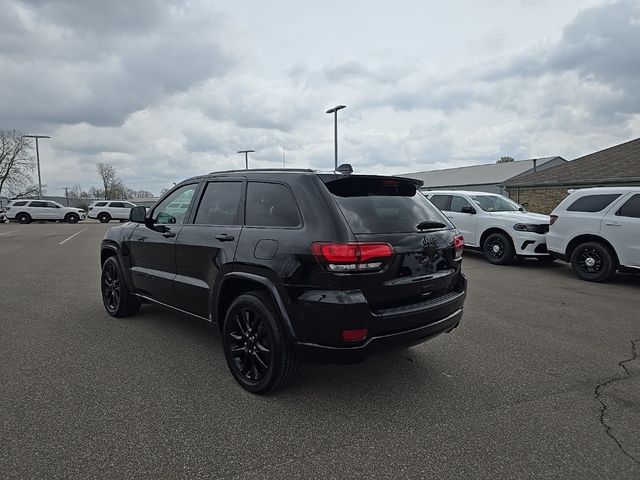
column 173, row 209
column 37, row 204
column 457, row 203
column 441, row 201
column 19, row 204
column 116, row 205
column 100, row 204
column 271, row 205
column 631, row 208
column 220, row 204
column 593, row 203
column 50, row 205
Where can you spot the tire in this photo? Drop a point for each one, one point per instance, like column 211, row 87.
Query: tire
column 497, row 248
column 23, row 218
column 256, row 348
column 72, row 218
column 117, row 299
column 593, row 262
column 104, row 218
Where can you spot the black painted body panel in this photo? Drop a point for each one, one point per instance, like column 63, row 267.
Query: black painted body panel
column 419, row 294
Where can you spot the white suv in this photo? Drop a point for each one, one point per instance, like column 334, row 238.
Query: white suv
column 598, row 231
column 24, row 211
column 497, row 225
column 106, row 210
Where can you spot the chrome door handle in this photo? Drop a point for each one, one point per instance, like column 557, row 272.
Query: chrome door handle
column 613, row 224
column 168, row 234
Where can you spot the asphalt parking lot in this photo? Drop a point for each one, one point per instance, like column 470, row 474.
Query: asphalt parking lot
column 540, row 381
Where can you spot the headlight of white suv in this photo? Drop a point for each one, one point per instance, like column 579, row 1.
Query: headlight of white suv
column 531, row 227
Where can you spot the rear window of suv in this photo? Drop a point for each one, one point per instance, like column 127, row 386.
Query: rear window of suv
column 593, row 203
column 100, row 204
column 383, row 205
column 19, row 204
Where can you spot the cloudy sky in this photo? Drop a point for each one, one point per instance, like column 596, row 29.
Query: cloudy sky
column 168, row 89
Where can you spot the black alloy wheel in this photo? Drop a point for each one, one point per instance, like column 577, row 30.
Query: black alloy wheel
column 104, row 218
column 72, row 218
column 592, row 261
column 257, row 351
column 498, row 249
column 23, row 218
column 117, row 299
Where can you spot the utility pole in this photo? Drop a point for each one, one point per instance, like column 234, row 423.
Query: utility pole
column 38, row 157
column 334, row 110
column 246, row 157
column 284, row 162
column 66, row 194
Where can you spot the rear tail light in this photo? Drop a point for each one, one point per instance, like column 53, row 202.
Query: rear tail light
column 354, row 335
column 553, row 219
column 458, row 246
column 352, row 256
column 90, row 208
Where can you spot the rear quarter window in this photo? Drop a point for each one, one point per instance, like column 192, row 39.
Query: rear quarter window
column 271, row 205
column 631, row 208
column 383, row 205
column 18, row 204
column 592, row 203
column 100, row 204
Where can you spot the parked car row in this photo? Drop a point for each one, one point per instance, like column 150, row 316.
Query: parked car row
column 597, row 230
column 26, row 211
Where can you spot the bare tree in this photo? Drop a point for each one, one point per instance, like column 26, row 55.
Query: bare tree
column 78, row 192
column 113, row 187
column 29, row 191
column 16, row 163
column 505, row 159
column 95, row 192
column 163, row 191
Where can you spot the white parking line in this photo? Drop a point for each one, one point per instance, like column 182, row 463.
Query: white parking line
column 69, row 238
column 5, row 233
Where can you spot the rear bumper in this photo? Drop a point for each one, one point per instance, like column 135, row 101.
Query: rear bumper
column 322, row 316
column 558, row 256
column 314, row 353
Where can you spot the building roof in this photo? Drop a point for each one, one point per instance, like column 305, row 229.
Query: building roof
column 491, row 173
column 620, row 163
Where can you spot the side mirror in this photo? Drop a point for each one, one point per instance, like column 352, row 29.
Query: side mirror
column 525, row 204
column 468, row 209
column 138, row 214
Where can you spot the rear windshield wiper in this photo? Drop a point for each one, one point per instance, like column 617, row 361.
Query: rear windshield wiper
column 427, row 225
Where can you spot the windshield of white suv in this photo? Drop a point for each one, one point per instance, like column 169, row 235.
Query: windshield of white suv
column 496, row 203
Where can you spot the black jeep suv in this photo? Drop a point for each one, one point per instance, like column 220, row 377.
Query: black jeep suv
column 292, row 265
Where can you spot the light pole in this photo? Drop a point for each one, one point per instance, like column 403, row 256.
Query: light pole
column 38, row 157
column 66, row 194
column 334, row 110
column 246, row 157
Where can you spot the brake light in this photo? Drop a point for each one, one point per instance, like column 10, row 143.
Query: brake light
column 90, row 208
column 458, row 246
column 552, row 219
column 351, row 256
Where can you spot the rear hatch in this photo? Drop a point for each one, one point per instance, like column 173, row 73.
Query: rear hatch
column 425, row 262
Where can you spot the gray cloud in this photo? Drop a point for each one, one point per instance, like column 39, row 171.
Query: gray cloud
column 130, row 69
